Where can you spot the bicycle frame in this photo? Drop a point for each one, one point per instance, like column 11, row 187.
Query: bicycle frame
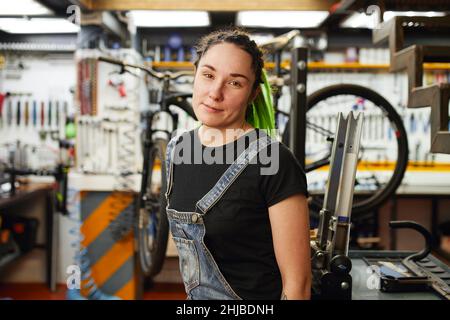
column 159, row 127
column 160, row 123
column 297, row 83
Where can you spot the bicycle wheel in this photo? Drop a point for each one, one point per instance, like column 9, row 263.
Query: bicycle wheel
column 153, row 228
column 383, row 153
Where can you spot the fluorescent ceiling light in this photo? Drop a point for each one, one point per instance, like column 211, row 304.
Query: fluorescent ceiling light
column 281, row 19
column 37, row 25
column 261, row 38
column 156, row 18
column 23, row 8
column 362, row 20
column 390, row 14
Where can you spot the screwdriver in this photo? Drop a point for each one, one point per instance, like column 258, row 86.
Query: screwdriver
column 27, row 114
column 34, row 113
column 65, row 112
column 412, row 123
column 42, row 113
column 18, row 113
column 49, row 114
column 9, row 113
column 57, row 113
column 2, row 99
column 65, row 108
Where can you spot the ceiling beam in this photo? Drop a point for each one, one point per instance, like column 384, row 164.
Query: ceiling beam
column 339, row 11
column 223, row 5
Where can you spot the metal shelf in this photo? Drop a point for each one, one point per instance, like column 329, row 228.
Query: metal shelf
column 311, row 65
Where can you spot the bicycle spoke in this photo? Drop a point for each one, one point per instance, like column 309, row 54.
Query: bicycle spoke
column 383, row 155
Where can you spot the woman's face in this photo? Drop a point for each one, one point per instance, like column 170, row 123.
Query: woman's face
column 223, row 86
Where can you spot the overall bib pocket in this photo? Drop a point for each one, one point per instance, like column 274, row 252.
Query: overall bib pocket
column 189, row 263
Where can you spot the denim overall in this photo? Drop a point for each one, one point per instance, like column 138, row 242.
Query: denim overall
column 201, row 275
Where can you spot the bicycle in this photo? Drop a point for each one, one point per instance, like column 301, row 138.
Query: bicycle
column 151, row 227
column 372, row 188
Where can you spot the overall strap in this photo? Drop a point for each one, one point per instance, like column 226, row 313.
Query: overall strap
column 170, row 151
column 231, row 174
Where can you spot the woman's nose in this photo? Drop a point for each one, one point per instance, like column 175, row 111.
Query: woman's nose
column 215, row 91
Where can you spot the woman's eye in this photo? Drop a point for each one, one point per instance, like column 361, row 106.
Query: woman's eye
column 235, row 84
column 207, row 75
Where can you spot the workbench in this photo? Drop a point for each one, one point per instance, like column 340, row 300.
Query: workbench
column 363, row 285
column 26, row 195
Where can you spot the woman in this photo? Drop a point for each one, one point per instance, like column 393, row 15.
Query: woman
column 241, row 228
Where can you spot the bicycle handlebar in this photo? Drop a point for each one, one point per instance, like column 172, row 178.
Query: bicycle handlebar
column 151, row 72
column 280, row 42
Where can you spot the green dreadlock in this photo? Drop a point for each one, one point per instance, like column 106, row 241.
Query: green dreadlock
column 262, row 114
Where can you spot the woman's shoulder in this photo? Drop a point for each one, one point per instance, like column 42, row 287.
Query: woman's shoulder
column 277, row 154
column 273, row 142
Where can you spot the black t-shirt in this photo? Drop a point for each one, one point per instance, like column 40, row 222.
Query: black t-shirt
column 238, row 231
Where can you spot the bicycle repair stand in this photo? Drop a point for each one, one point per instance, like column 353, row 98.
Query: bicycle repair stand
column 297, row 87
column 329, row 251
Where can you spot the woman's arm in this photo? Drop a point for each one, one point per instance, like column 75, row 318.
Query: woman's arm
column 289, row 220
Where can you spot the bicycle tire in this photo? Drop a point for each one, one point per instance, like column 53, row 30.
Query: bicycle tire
column 152, row 257
column 152, row 260
column 379, row 197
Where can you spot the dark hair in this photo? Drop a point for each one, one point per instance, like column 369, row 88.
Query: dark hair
column 238, row 37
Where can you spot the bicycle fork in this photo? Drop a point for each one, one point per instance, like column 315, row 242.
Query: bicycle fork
column 329, row 252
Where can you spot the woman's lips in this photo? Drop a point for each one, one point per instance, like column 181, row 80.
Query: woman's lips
column 210, row 109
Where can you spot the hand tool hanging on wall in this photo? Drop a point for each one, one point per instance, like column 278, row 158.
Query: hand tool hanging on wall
column 89, row 137
column 34, row 113
column 87, row 88
column 87, row 85
column 82, row 87
column 93, row 137
column 9, row 113
column 57, row 114
column 93, row 86
column 49, row 114
column 3, row 97
column 42, row 114
column 1, row 116
column 81, row 146
column 27, row 114
column 119, row 85
column 78, row 91
column 86, row 137
column 18, row 113
column 79, row 143
column 412, row 123
column 66, row 112
column 417, row 152
column 110, row 142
